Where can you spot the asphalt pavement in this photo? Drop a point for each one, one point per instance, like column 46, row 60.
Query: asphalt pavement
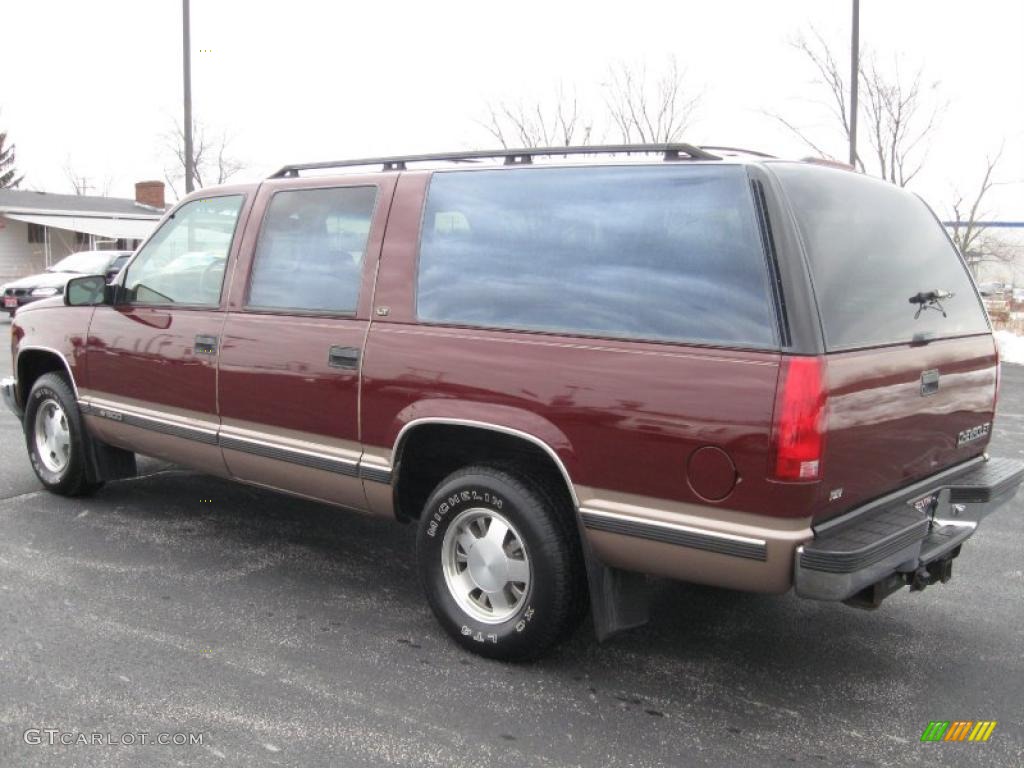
column 282, row 632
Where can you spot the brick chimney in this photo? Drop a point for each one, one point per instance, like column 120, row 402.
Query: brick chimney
column 150, row 193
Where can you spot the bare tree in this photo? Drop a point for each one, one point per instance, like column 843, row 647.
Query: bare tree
column 969, row 231
column 650, row 109
column 81, row 184
column 640, row 107
column 900, row 114
column 558, row 123
column 212, row 160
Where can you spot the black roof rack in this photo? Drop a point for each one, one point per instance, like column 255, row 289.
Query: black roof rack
column 739, row 150
column 671, row 152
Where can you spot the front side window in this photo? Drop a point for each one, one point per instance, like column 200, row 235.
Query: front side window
column 185, row 261
column 310, row 253
column 665, row 253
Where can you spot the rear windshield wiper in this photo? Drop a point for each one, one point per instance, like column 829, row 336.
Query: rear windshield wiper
column 930, row 300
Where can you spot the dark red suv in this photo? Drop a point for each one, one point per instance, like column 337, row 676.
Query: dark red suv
column 718, row 368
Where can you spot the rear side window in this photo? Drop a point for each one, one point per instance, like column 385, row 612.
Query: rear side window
column 871, row 247
column 650, row 252
column 310, row 252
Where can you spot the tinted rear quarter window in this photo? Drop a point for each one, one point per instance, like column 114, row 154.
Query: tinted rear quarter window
column 665, row 253
column 870, row 247
column 310, row 251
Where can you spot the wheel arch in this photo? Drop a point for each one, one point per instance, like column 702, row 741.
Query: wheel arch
column 33, row 362
column 481, row 430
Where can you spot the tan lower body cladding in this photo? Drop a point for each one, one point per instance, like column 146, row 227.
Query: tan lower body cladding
column 314, row 467
column 635, row 533
column 693, row 543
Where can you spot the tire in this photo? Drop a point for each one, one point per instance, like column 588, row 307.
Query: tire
column 56, row 437
column 533, row 571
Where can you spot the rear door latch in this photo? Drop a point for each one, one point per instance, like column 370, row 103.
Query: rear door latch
column 929, row 382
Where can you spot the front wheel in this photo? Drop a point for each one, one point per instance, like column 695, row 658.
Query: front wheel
column 499, row 562
column 56, row 437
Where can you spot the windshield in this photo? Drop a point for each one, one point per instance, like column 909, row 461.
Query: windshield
column 83, row 262
column 883, row 270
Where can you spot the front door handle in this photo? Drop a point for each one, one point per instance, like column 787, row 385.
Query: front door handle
column 343, row 357
column 206, row 345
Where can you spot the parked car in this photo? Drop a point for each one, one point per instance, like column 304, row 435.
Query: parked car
column 992, row 289
column 117, row 264
column 569, row 374
column 51, row 282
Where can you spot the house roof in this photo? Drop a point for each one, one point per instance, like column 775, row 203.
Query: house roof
column 26, row 201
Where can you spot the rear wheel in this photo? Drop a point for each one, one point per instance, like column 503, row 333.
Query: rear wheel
column 499, row 563
column 56, row 437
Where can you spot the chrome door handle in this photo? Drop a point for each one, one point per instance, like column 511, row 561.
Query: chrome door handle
column 343, row 357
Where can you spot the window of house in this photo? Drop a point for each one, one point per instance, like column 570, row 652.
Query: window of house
column 36, row 233
column 311, row 248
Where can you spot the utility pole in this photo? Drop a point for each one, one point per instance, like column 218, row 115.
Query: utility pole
column 187, row 57
column 854, row 73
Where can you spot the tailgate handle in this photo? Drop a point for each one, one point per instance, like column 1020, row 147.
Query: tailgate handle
column 343, row 357
column 929, row 382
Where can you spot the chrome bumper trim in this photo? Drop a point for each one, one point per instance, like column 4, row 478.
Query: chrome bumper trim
column 833, row 567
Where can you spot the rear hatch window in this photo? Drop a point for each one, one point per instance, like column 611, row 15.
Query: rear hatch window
column 871, row 246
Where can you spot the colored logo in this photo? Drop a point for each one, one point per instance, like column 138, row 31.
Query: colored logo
column 958, row 730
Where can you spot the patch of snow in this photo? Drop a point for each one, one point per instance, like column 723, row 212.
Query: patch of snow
column 1011, row 347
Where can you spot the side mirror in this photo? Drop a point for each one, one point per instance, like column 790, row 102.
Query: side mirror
column 86, row 291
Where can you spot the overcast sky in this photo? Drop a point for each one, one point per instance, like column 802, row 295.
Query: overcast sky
column 99, row 82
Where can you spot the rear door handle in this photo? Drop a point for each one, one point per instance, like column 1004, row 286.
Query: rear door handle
column 343, row 357
column 206, row 345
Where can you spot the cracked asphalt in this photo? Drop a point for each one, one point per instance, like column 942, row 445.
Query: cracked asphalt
column 288, row 633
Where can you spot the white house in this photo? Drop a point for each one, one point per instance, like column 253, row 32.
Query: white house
column 39, row 228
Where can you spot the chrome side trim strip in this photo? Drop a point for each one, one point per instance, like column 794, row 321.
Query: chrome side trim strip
column 268, row 449
column 375, row 473
column 679, row 535
column 163, row 426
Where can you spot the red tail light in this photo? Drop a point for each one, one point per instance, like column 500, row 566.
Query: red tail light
column 798, row 431
column 999, row 381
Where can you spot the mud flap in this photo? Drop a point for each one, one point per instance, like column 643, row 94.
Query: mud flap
column 619, row 600
column 105, row 462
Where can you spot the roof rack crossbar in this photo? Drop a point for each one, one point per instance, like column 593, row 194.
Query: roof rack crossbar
column 670, row 152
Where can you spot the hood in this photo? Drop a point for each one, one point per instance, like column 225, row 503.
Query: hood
column 43, row 280
column 32, row 306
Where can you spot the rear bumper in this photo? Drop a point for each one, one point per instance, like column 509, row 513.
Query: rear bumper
column 908, row 537
column 9, row 390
